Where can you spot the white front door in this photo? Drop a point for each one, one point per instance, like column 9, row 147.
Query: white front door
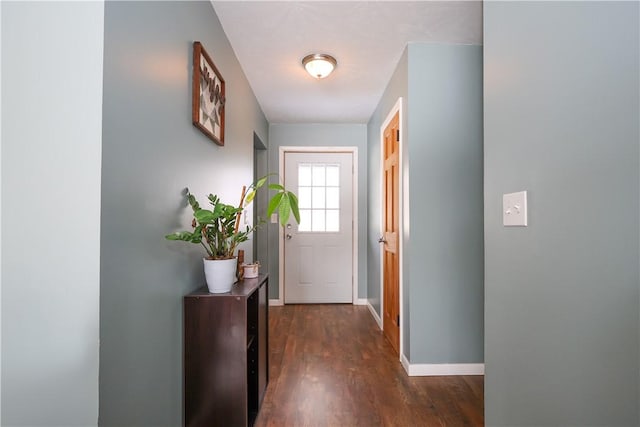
column 318, row 252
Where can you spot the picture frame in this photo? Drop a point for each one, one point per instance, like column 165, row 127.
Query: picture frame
column 208, row 96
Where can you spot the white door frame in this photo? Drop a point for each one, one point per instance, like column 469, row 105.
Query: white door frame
column 403, row 198
column 354, row 199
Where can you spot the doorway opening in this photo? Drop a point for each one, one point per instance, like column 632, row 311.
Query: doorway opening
column 260, row 169
column 318, row 258
column 392, row 199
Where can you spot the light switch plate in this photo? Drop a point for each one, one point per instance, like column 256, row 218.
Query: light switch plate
column 274, row 218
column 514, row 209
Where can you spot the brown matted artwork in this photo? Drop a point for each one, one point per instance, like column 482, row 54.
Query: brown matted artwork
column 208, row 96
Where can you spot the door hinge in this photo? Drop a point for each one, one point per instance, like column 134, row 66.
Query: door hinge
column 398, row 135
column 398, row 320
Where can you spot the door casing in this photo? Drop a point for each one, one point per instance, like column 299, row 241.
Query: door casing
column 403, row 199
column 354, row 195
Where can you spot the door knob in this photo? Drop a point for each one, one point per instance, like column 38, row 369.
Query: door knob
column 289, row 236
column 382, row 240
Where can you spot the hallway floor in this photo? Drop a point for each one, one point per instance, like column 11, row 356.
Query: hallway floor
column 330, row 365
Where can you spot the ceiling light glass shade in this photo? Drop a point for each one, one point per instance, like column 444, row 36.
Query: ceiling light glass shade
column 319, row 65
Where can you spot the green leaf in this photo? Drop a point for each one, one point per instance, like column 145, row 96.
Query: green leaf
column 196, row 236
column 180, row 235
column 193, row 202
column 217, row 210
column 285, row 209
column 274, row 203
column 249, row 197
column 242, row 236
column 261, row 182
column 204, row 216
column 229, row 212
column 276, row 187
column 293, row 199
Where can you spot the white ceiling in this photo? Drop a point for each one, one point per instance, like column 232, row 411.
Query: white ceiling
column 366, row 37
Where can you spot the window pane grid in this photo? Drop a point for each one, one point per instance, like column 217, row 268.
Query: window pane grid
column 319, row 197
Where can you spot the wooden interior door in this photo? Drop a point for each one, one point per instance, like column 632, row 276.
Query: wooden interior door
column 391, row 255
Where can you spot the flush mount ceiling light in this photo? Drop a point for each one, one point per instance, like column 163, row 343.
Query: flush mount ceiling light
column 319, row 65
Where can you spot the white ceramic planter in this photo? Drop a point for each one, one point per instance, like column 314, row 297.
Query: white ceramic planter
column 220, row 274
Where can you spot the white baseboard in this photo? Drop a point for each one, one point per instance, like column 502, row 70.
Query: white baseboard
column 441, row 369
column 375, row 315
column 405, row 364
column 359, row 301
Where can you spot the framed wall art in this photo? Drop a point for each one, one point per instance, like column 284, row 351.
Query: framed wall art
column 208, row 96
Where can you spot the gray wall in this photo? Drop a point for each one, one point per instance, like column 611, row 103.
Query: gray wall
column 446, row 261
column 0, row 219
column 443, row 241
column 51, row 143
column 151, row 152
column 324, row 135
column 562, row 296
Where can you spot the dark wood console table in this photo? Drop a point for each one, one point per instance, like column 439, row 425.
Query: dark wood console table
column 226, row 357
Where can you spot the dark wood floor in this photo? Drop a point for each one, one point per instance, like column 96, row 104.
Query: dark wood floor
column 330, row 365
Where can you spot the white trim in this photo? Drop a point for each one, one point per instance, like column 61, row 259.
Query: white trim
column 375, row 315
column 397, row 108
column 275, row 302
column 354, row 267
column 441, row 369
column 360, row 301
column 280, row 235
column 405, row 364
column 354, row 224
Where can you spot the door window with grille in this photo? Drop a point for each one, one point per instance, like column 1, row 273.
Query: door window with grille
column 319, row 197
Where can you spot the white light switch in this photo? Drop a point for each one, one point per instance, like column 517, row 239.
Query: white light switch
column 514, row 209
column 274, row 218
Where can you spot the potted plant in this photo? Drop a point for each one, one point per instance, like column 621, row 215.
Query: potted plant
column 251, row 270
column 217, row 230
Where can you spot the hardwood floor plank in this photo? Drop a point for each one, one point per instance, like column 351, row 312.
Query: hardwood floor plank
column 330, row 365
